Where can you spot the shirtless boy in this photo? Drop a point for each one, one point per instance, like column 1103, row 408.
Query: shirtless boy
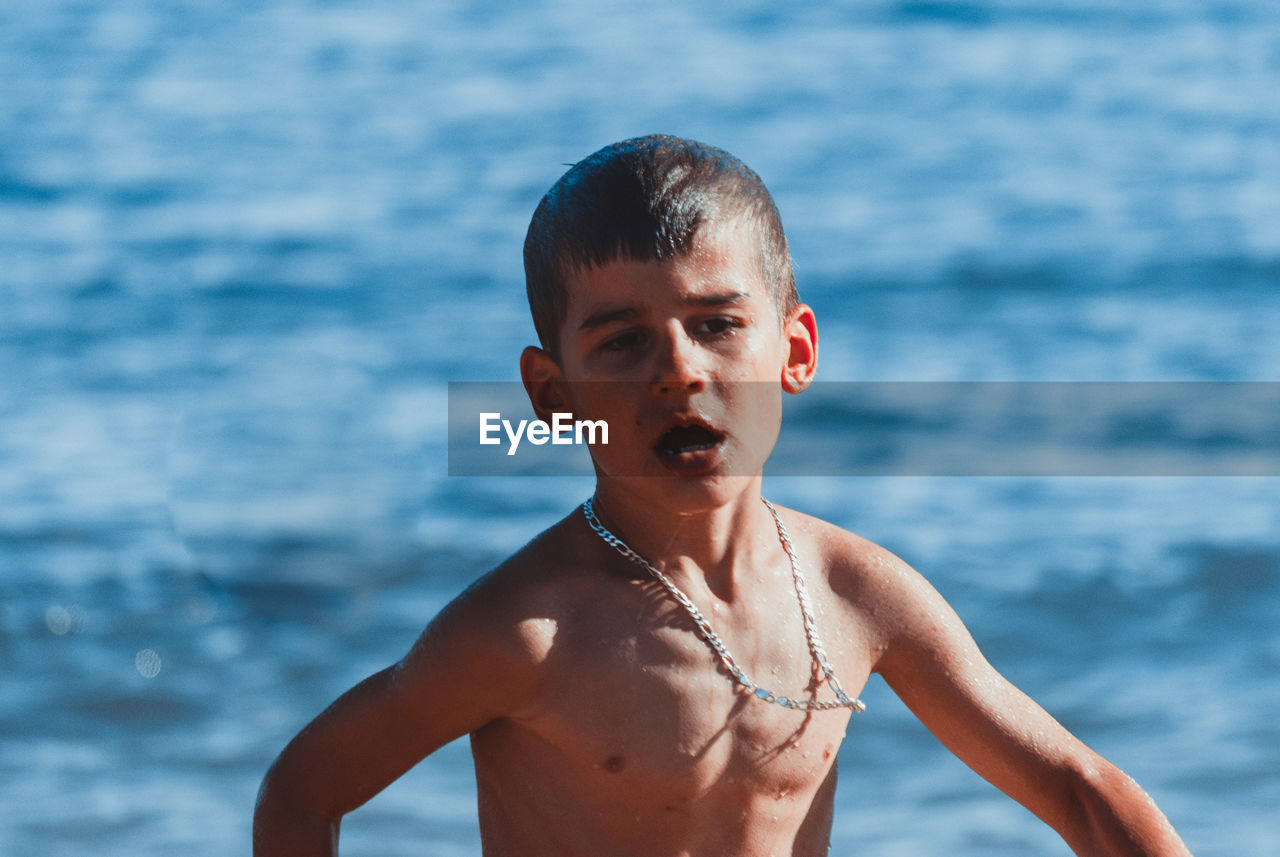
column 605, row 720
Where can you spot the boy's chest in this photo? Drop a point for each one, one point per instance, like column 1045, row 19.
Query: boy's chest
column 644, row 704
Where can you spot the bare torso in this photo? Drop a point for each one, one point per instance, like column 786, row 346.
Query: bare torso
column 638, row 741
column 603, row 726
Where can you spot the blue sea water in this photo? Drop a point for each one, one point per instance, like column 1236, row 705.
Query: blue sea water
column 244, row 247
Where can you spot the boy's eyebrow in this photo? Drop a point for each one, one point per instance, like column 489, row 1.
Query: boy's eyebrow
column 722, row 299
column 608, row 316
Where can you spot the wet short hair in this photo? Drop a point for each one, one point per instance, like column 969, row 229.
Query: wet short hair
column 645, row 199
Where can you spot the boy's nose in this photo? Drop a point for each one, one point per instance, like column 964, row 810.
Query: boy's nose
column 678, row 368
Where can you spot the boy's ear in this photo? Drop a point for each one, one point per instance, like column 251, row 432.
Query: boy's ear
column 800, row 332
column 543, row 382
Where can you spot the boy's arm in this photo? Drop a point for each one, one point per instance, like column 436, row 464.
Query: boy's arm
column 469, row 667
column 933, row 664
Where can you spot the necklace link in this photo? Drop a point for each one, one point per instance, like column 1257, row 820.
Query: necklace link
column 712, row 639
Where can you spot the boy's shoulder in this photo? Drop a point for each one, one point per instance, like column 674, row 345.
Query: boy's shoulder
column 899, row 609
column 866, row 577
column 527, row 596
column 842, row 555
column 550, row 573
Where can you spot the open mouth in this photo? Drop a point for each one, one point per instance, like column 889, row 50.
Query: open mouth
column 687, row 438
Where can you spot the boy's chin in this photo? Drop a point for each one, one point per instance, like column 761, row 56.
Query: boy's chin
column 681, row 493
column 693, row 466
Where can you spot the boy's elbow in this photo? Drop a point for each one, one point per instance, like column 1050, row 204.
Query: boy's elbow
column 1110, row 815
column 288, row 821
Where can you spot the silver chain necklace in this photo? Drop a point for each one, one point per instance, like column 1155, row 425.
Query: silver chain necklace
column 842, row 699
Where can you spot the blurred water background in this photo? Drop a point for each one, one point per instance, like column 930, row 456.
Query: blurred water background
column 245, row 246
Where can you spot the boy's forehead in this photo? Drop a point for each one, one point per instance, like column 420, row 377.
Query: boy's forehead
column 722, row 262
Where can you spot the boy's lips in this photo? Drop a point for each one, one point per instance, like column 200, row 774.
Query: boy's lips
column 689, row 444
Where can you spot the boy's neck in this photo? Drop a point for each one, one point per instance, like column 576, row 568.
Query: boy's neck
column 714, row 542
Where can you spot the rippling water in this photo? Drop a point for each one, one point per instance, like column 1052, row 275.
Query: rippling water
column 243, row 249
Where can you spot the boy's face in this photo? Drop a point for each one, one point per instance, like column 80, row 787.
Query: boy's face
column 685, row 359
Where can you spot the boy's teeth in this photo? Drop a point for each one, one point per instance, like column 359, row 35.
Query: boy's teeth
column 694, row 448
column 687, row 439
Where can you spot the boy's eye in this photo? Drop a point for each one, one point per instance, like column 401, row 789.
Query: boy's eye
column 624, row 341
column 718, row 325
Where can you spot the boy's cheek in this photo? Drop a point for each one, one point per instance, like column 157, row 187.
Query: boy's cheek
column 592, row 401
